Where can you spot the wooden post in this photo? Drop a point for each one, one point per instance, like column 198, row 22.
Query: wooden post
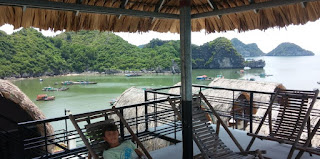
column 186, row 80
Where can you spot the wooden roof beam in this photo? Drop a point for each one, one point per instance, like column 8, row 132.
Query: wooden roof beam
column 255, row 10
column 262, row 5
column 85, row 8
column 24, row 8
column 303, row 4
column 123, row 6
column 78, row 2
column 158, row 8
column 212, row 4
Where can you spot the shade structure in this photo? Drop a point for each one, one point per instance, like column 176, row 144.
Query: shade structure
column 156, row 15
column 174, row 16
column 16, row 107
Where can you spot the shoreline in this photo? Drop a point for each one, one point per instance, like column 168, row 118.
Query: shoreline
column 91, row 73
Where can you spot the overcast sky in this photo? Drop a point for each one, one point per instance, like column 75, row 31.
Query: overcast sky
column 307, row 36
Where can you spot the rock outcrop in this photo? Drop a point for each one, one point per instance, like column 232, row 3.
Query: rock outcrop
column 249, row 50
column 218, row 53
column 289, row 49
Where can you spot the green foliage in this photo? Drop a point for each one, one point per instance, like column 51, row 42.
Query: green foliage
column 218, row 53
column 28, row 53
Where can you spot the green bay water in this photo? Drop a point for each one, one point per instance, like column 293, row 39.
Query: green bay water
column 292, row 72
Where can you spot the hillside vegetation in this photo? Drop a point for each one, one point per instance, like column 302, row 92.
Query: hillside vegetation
column 27, row 53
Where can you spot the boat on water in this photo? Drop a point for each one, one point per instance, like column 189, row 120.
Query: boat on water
column 318, row 82
column 203, row 77
column 78, row 82
column 262, row 75
column 44, row 97
column 84, row 82
column 247, row 68
column 67, row 82
column 209, row 78
column 55, row 89
column 132, row 74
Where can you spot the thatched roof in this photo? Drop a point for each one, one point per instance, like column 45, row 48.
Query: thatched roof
column 133, row 15
column 247, row 85
column 135, row 95
column 221, row 100
column 19, row 108
column 132, row 95
column 251, row 86
column 176, row 91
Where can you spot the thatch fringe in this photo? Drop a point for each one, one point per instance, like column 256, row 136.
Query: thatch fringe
column 252, row 86
column 72, row 21
column 176, row 91
column 221, row 100
column 135, row 95
column 12, row 93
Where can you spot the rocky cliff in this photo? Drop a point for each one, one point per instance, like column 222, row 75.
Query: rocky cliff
column 218, row 53
column 249, row 50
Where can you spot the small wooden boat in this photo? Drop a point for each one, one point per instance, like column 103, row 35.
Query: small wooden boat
column 84, row 82
column 203, row 77
column 132, row 75
column 67, row 82
column 262, row 75
column 55, row 89
column 44, row 97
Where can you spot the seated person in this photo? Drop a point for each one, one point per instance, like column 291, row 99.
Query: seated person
column 117, row 150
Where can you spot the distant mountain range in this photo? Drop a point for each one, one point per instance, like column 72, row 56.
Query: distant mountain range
column 27, row 53
column 284, row 49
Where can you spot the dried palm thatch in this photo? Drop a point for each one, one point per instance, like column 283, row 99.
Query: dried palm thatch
column 135, row 95
column 19, row 108
column 222, row 101
column 251, row 86
column 211, row 15
column 177, row 91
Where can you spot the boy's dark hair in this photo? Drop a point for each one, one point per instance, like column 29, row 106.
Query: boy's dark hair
column 109, row 127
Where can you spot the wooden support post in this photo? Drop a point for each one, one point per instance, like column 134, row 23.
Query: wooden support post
column 186, row 80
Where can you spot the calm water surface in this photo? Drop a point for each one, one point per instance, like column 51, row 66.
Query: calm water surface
column 292, row 72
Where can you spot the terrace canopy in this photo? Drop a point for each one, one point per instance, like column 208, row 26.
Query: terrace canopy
column 174, row 16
